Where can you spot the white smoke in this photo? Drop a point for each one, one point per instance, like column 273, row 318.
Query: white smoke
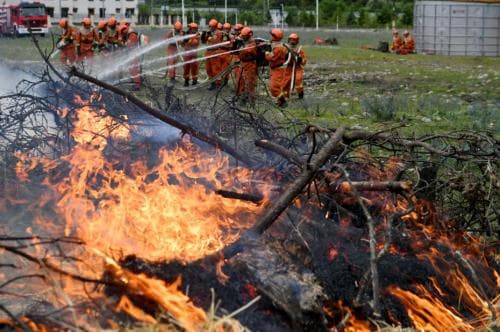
column 10, row 77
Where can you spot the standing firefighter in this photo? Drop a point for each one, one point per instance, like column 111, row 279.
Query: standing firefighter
column 86, row 39
column 225, row 58
column 246, row 79
column 173, row 49
column 123, row 33
column 102, row 36
column 237, row 28
column 113, row 35
column 277, row 59
column 65, row 43
column 295, row 68
column 213, row 65
column 191, row 67
column 135, row 41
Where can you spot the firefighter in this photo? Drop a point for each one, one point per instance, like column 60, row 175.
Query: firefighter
column 133, row 41
column 225, row 58
column 123, row 33
column 113, row 40
column 173, row 49
column 277, row 59
column 408, row 44
column 246, row 79
column 65, row 43
column 212, row 64
column 295, row 68
column 236, row 44
column 191, row 67
column 102, row 36
column 397, row 42
column 86, row 39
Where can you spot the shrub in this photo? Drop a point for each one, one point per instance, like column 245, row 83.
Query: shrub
column 383, row 108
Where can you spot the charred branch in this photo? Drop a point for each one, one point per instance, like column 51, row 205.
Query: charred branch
column 257, row 199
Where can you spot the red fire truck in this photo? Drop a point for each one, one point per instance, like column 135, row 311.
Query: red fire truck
column 20, row 19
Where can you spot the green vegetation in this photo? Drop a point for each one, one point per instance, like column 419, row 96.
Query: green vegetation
column 368, row 89
column 352, row 13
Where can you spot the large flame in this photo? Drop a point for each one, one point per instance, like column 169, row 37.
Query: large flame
column 163, row 211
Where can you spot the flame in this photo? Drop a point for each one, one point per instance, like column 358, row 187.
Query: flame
column 428, row 313
column 165, row 211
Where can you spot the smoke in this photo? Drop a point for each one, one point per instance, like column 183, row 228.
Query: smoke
column 10, row 78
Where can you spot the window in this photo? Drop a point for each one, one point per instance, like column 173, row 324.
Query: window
column 64, row 11
column 50, row 11
column 33, row 11
column 91, row 12
column 118, row 10
column 129, row 12
column 75, row 10
column 102, row 12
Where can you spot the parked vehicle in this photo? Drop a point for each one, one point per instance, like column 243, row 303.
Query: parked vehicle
column 18, row 20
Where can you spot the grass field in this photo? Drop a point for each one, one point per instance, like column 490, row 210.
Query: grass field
column 347, row 85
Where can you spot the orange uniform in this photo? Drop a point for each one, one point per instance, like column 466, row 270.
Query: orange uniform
column 192, row 68
column 277, row 59
column 135, row 65
column 172, row 50
column 213, row 64
column 225, row 58
column 246, row 79
column 299, row 60
column 86, row 38
column 409, row 45
column 68, row 53
column 397, row 43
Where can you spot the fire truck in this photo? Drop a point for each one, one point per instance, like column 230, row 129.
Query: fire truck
column 18, row 20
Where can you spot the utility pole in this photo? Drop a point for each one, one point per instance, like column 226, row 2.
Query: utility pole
column 282, row 16
column 317, row 14
column 183, row 18
column 225, row 11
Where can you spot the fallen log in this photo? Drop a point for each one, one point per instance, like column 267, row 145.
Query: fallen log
column 214, row 141
column 294, row 290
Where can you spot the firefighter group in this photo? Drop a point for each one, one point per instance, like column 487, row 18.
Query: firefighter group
column 405, row 45
column 230, row 51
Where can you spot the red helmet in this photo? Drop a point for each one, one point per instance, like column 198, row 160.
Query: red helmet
column 213, row 23
column 293, row 38
column 86, row 22
column 101, row 25
column 246, row 32
column 112, row 22
column 406, row 33
column 63, row 23
column 227, row 26
column 277, row 34
column 238, row 27
column 178, row 25
column 123, row 22
column 193, row 25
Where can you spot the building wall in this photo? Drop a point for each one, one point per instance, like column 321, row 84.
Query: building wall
column 77, row 10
